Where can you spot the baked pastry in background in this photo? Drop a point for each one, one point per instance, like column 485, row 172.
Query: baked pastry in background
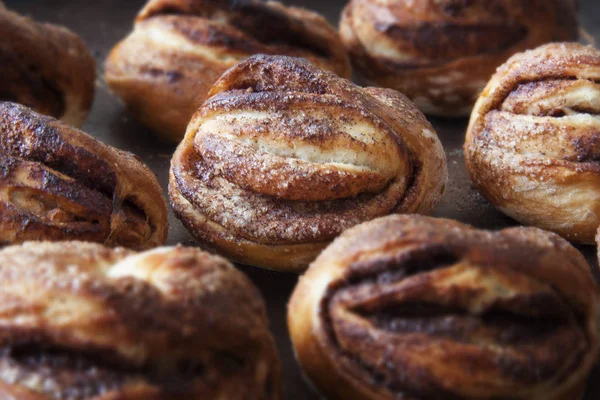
column 441, row 53
column 45, row 67
column 58, row 183
column 410, row 307
column 532, row 147
column 165, row 68
column 284, row 157
column 81, row 321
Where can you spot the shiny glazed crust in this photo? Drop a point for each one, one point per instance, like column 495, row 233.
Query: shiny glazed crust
column 284, row 156
column 414, row 308
column 58, row 183
column 45, row 67
column 441, row 53
column 79, row 321
column 533, row 143
column 165, row 68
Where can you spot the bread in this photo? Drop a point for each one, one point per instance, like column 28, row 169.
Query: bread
column 415, row 308
column 45, row 67
column 284, row 156
column 441, row 53
column 80, row 321
column 165, row 68
column 532, row 147
column 58, row 183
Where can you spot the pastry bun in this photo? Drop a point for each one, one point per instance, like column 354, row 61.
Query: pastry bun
column 411, row 307
column 58, row 183
column 284, row 156
column 532, row 147
column 45, row 67
column 81, row 321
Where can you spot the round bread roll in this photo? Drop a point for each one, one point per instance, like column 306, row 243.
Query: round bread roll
column 45, row 67
column 441, row 53
column 416, row 308
column 80, row 321
column 165, row 68
column 58, row 183
column 284, row 157
column 532, row 147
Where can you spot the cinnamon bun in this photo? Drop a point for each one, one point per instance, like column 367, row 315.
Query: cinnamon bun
column 284, row 156
column 410, row 307
column 441, row 53
column 80, row 321
column 45, row 67
column 533, row 144
column 165, row 68
column 58, row 183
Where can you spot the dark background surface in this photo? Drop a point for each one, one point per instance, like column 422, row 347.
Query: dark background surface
column 102, row 23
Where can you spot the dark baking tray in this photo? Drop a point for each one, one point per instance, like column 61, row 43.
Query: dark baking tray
column 104, row 22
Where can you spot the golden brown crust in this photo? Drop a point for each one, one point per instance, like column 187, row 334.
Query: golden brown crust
column 533, row 144
column 284, row 156
column 45, row 67
column 179, row 48
column 58, row 183
column 80, row 321
column 410, row 307
column 441, row 53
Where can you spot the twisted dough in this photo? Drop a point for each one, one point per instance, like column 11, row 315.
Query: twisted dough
column 45, row 67
column 532, row 147
column 165, row 68
column 410, row 308
column 441, row 53
column 283, row 157
column 79, row 321
column 58, row 183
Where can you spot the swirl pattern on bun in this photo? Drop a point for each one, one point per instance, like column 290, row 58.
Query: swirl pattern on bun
column 284, row 156
column 410, row 307
column 533, row 148
column 58, row 183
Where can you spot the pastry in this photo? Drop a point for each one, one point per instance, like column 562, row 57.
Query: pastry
column 58, row 183
column 45, row 67
column 80, row 321
column 284, row 156
column 441, row 53
column 532, row 147
column 416, row 308
column 165, row 68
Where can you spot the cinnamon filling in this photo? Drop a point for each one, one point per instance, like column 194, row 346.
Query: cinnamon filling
column 66, row 374
column 266, row 25
column 443, row 42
